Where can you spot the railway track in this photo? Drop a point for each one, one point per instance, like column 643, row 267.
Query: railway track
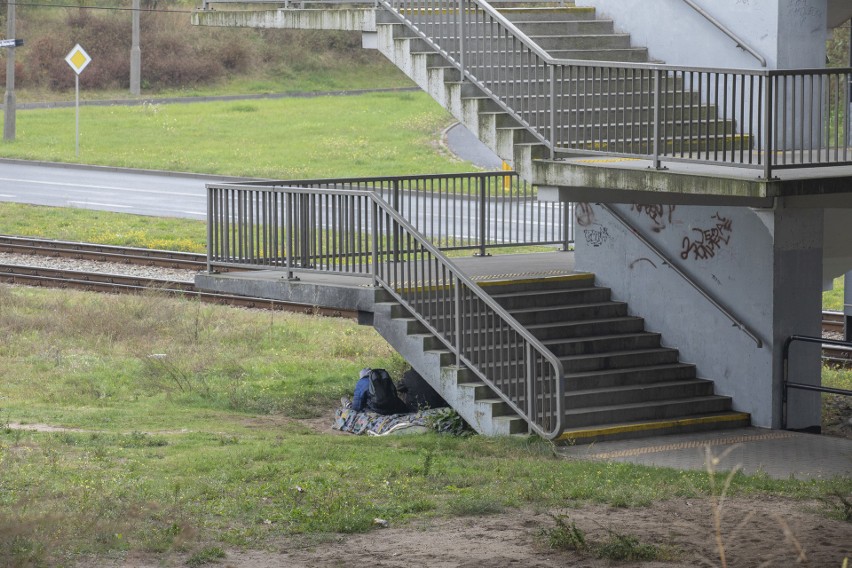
column 103, row 253
column 98, row 281
column 832, row 322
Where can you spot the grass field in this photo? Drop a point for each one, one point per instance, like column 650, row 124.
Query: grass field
column 192, row 427
column 370, row 134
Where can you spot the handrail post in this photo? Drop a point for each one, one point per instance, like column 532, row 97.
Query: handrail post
column 530, row 380
column 656, row 146
column 462, row 42
column 483, row 215
column 211, row 219
column 291, row 221
column 375, row 242
column 458, row 320
column 552, row 110
column 769, row 114
column 566, row 226
column 396, row 203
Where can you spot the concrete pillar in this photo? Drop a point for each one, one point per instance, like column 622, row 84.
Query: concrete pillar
column 797, row 309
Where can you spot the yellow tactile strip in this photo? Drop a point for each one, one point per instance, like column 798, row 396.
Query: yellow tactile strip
column 515, row 277
column 691, row 444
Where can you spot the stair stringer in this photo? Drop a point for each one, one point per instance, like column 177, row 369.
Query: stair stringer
column 472, row 399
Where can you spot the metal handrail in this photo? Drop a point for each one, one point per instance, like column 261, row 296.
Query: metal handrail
column 496, row 209
column 725, row 30
column 759, row 118
column 738, row 323
column 786, row 384
column 279, row 221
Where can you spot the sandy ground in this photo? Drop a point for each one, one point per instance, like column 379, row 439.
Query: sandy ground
column 766, row 532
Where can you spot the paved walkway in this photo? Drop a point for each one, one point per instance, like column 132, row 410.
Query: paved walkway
column 777, row 453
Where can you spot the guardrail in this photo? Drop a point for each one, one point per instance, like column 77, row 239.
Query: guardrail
column 787, row 384
column 473, row 211
column 300, row 229
column 759, row 119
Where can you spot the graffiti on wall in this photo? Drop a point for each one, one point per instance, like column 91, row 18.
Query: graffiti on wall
column 658, row 214
column 585, row 214
column 596, row 235
column 708, row 241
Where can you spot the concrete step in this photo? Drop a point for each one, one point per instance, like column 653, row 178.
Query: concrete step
column 628, row 55
column 644, row 428
column 567, row 41
column 560, row 297
column 562, row 14
column 632, row 394
column 630, row 376
column 603, row 344
column 586, row 328
column 554, row 27
column 575, row 312
column 619, row 360
column 580, row 280
column 647, row 410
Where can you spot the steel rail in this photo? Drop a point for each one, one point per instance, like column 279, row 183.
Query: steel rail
column 119, row 283
column 738, row 323
column 103, row 253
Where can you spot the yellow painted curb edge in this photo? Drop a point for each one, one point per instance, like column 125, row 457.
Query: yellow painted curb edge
column 645, row 426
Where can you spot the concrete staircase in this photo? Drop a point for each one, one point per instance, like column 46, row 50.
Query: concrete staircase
column 595, row 105
column 620, row 380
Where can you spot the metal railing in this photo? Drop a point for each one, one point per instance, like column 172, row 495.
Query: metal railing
column 299, row 229
column 787, row 384
column 471, row 211
column 760, row 119
column 727, row 31
column 735, row 320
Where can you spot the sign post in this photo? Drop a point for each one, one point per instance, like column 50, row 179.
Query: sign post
column 78, row 59
column 9, row 106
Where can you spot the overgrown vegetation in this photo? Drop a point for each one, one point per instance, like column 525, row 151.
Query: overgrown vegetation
column 185, row 433
column 177, row 56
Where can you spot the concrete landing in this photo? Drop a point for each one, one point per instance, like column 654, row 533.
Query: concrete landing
column 777, row 453
column 356, row 291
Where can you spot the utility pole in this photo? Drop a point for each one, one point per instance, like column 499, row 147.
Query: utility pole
column 9, row 99
column 135, row 55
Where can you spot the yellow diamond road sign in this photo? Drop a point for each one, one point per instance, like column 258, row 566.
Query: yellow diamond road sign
column 78, row 59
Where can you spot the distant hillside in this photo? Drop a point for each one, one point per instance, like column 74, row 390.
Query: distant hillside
column 177, row 55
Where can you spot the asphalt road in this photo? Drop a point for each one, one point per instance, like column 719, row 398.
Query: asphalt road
column 106, row 189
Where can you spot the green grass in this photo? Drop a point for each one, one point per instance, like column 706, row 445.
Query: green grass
column 103, row 227
column 190, row 436
column 833, row 299
column 365, row 135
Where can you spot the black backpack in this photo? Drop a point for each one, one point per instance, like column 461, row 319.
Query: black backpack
column 382, row 397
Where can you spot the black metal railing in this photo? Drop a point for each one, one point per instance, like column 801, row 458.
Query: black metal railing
column 787, row 384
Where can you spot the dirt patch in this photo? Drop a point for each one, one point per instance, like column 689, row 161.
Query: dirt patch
column 768, row 531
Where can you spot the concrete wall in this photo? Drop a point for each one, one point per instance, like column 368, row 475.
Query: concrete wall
column 734, row 254
column 787, row 33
